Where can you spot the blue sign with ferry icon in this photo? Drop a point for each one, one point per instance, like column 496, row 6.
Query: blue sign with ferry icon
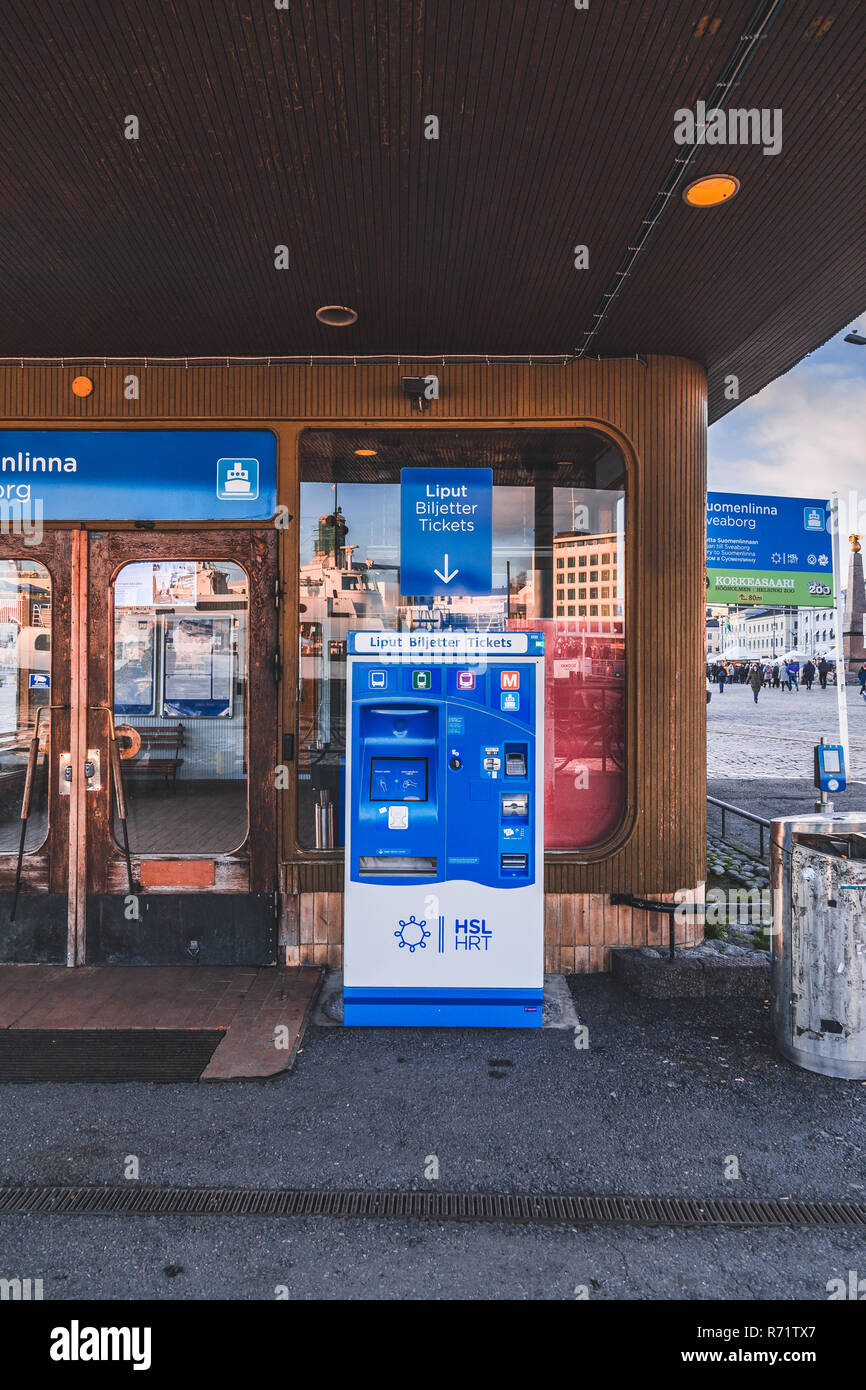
column 237, row 480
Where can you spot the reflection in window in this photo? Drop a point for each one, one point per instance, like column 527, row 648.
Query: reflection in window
column 558, row 506
column 25, row 687
column 180, row 693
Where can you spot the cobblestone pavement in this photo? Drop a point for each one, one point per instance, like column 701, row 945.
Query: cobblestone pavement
column 759, row 757
column 774, row 739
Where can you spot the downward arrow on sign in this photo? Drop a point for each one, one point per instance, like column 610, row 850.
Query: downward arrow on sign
column 446, row 577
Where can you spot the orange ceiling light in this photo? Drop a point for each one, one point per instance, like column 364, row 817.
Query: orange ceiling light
column 711, row 190
column 81, row 386
column 366, row 453
column 337, row 315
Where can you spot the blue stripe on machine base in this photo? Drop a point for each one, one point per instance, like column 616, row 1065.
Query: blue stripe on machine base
column 442, row 1008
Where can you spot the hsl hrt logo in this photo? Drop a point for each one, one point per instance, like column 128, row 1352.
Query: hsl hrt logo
column 472, row 934
column 237, row 480
column 412, row 934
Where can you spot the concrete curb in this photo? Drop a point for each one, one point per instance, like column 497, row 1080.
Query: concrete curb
column 715, row 970
column 558, row 1009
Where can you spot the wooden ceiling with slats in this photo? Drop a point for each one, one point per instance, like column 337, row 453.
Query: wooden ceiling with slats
column 305, row 127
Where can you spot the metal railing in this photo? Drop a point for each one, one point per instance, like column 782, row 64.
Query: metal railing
column 728, row 810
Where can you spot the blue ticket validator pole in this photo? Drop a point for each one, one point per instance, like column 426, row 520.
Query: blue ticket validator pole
column 444, row 878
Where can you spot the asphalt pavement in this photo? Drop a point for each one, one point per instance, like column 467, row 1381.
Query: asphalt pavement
column 666, row 1095
column 661, row 1100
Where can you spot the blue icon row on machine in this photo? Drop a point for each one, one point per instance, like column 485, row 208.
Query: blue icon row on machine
column 429, row 680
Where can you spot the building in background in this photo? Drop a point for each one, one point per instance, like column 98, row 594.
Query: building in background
column 768, row 634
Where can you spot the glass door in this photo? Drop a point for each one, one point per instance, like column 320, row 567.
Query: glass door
column 35, row 588
column 181, row 667
column 138, row 723
column 181, row 728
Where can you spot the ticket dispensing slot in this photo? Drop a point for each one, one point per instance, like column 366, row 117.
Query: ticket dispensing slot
column 412, row 866
column 514, row 822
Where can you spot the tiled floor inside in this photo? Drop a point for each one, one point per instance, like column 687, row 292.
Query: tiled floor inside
column 207, row 818
column 182, row 818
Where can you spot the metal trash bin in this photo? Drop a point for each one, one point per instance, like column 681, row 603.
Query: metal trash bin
column 818, row 873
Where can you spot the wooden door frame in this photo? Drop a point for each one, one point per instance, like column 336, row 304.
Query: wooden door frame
column 46, row 869
column 254, row 865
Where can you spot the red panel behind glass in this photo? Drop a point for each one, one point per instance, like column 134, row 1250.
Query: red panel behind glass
column 584, row 733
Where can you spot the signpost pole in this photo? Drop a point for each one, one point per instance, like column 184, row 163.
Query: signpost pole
column 841, row 672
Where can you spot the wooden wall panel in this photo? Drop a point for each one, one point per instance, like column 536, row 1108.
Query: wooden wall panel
column 571, row 947
column 655, row 409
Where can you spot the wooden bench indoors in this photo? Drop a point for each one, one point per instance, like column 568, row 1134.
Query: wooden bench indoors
column 159, row 755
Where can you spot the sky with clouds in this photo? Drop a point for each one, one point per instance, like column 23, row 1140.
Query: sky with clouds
column 804, row 435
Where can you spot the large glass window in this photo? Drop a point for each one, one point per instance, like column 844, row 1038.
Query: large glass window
column 25, row 687
column 558, row 506
column 180, row 699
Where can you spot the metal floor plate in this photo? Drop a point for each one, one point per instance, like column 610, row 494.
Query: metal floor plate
column 106, row 1054
column 568, row 1210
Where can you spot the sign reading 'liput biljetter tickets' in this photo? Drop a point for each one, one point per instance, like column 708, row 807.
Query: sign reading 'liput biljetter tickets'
column 769, row 550
column 446, row 531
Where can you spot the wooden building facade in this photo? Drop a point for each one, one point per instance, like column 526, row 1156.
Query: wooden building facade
column 188, row 891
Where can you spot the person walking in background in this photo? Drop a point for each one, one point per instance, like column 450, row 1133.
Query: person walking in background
column 792, row 671
column 756, row 681
column 823, row 669
column 723, row 676
column 808, row 675
column 861, row 676
column 776, row 676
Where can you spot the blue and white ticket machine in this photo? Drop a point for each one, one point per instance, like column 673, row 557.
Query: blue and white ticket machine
column 444, row 887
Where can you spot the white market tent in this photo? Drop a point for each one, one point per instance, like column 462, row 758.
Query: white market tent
column 737, row 654
column 796, row 655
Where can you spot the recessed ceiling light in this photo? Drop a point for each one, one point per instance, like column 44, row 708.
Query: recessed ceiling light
column 366, row 453
column 336, row 315
column 710, row 190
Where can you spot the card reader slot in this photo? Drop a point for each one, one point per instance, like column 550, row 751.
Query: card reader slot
column 397, row 866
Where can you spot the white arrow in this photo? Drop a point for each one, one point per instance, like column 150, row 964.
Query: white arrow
column 446, row 577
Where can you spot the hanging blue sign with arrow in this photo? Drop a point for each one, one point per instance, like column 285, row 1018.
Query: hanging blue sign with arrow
column 446, row 531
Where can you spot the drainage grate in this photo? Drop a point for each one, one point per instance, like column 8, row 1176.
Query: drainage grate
column 106, row 1054
column 432, row 1206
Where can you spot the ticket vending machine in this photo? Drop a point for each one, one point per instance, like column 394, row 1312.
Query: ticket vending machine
column 444, row 879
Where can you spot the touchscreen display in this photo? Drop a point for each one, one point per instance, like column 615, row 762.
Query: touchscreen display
column 831, row 760
column 398, row 779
